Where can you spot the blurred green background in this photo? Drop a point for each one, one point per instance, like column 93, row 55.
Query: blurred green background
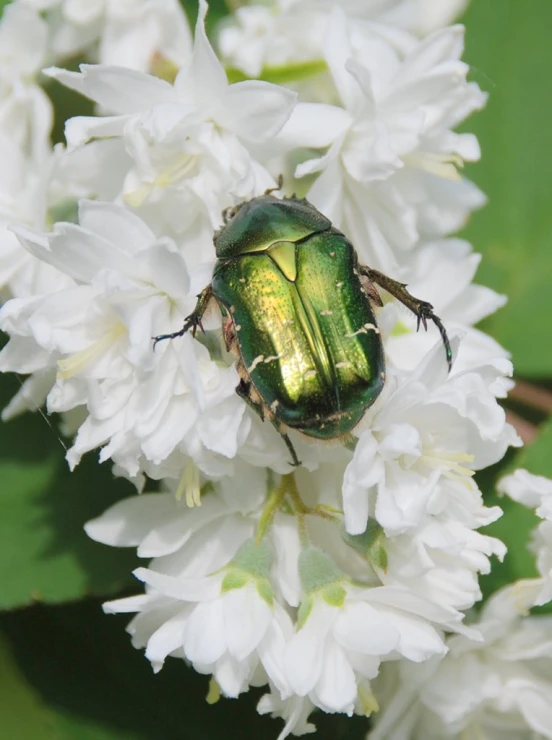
column 69, row 672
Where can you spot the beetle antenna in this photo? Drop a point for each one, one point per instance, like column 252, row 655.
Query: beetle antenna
column 279, row 185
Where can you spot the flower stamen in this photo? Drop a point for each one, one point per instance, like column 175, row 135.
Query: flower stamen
column 190, row 485
column 71, row 366
column 451, row 464
column 437, row 163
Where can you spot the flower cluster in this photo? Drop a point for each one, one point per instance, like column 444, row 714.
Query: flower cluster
column 499, row 685
column 354, row 573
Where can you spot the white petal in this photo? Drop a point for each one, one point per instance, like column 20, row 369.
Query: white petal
column 127, row 522
column 115, row 224
column 232, row 674
column 314, row 125
column 186, row 589
column 254, row 110
column 361, row 628
column 304, row 654
column 362, row 473
column 206, row 72
column 338, row 50
column 272, row 648
column 246, row 619
column 530, row 490
column 418, row 640
column 117, row 89
column 204, row 633
column 81, row 129
column 165, row 640
column 336, row 688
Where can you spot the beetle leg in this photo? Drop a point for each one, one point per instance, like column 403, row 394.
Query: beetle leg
column 295, row 462
column 373, row 295
column 422, row 309
column 193, row 320
column 243, row 390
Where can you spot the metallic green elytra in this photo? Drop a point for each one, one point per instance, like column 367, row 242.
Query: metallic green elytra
column 298, row 313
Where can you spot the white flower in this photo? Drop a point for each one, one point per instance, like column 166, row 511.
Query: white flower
column 345, row 631
column 427, row 15
column 191, row 143
column 426, row 427
column 501, row 687
column 535, row 491
column 34, row 194
column 23, row 199
column 390, row 177
column 228, row 623
column 25, row 110
column 287, row 32
column 294, row 710
column 442, row 558
column 129, row 33
column 332, row 656
column 128, row 286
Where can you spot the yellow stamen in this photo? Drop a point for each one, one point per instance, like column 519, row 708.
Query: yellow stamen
column 190, row 485
column 164, row 68
column 137, row 197
column 368, row 701
column 436, row 163
column 451, row 463
column 71, row 366
column 213, row 695
column 177, row 170
column 474, row 732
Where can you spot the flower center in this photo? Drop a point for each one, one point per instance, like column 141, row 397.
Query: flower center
column 71, row 366
column 179, row 167
column 190, row 485
column 451, row 463
column 436, row 163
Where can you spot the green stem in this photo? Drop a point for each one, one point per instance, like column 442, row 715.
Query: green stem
column 287, row 488
column 275, row 500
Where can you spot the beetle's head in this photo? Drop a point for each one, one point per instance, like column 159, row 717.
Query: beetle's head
column 229, row 213
column 257, row 224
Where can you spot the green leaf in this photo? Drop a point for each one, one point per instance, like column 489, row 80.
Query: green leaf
column 282, row 74
column 536, row 457
column 217, row 10
column 3, row 4
column 509, row 50
column 25, row 715
column 44, row 553
column 22, row 712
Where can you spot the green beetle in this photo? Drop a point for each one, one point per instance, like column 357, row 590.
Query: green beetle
column 298, row 314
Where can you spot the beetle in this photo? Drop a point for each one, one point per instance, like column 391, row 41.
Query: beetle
column 298, row 314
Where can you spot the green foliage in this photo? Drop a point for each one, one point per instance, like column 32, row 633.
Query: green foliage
column 24, row 715
column 508, row 46
column 537, row 458
column 44, row 552
column 284, row 74
column 217, row 10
